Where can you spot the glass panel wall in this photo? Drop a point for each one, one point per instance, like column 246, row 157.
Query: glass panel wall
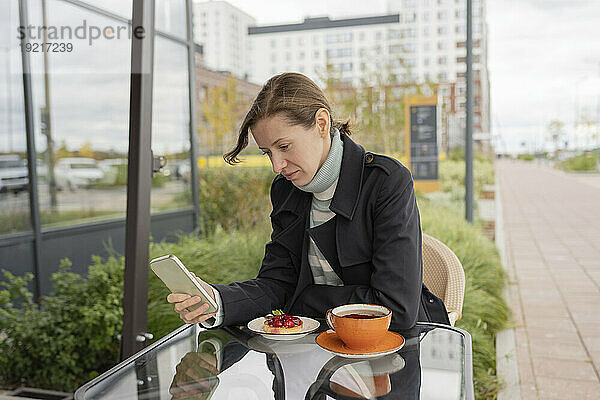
column 170, row 17
column 81, row 101
column 14, row 181
column 170, row 126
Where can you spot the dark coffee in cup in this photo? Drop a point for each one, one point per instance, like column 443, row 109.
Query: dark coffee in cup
column 362, row 316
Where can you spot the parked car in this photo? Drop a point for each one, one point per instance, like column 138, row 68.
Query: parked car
column 14, row 176
column 73, row 173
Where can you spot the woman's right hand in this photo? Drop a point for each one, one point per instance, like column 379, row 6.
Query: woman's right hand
column 182, row 301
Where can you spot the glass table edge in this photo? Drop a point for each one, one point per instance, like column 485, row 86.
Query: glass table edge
column 468, row 360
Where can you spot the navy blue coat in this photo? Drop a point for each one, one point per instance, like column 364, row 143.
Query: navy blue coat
column 373, row 243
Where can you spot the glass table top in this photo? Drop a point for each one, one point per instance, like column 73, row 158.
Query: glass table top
column 234, row 363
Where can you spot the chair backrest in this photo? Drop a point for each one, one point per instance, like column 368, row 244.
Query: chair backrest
column 443, row 274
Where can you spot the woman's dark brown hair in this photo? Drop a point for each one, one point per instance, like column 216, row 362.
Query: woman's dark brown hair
column 291, row 94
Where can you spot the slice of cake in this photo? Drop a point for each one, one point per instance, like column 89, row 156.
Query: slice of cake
column 282, row 324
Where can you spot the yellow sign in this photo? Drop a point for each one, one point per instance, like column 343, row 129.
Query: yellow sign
column 421, row 142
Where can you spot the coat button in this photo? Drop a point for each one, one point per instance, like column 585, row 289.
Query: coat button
column 368, row 158
column 431, row 300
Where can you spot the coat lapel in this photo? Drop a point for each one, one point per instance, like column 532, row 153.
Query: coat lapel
column 349, row 185
column 324, row 237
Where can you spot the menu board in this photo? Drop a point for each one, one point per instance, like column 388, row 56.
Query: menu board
column 423, row 142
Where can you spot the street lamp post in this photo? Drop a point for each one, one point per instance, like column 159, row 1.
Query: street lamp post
column 469, row 119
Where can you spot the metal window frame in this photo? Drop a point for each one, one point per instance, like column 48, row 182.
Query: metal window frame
column 34, row 204
column 139, row 182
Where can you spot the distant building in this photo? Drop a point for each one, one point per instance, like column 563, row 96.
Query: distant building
column 421, row 41
column 222, row 29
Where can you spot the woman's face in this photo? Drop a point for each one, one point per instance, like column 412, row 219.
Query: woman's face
column 295, row 152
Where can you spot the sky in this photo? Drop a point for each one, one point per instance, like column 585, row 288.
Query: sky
column 543, row 59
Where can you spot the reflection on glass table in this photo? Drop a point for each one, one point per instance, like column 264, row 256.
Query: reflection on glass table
column 233, row 363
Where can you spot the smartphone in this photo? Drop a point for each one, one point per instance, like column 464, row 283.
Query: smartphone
column 178, row 279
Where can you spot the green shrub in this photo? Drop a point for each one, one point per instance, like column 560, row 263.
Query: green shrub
column 526, row 157
column 484, row 310
column 452, row 175
column 581, row 163
column 73, row 336
column 234, row 197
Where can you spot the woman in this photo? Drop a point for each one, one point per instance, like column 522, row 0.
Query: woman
column 346, row 226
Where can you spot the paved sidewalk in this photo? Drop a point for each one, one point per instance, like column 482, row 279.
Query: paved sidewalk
column 552, row 235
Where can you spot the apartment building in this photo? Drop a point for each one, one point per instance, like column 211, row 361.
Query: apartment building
column 222, row 30
column 417, row 40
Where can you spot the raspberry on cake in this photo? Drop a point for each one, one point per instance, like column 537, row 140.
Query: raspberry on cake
column 282, row 323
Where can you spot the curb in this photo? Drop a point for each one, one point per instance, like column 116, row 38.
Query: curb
column 507, row 368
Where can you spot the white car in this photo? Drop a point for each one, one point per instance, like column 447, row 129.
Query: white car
column 14, row 176
column 73, row 173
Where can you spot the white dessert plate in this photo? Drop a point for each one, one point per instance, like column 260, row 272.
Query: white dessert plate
column 309, row 325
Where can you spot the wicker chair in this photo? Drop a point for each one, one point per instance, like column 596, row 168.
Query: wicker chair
column 444, row 275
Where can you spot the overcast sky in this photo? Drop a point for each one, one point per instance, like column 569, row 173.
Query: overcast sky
column 541, row 52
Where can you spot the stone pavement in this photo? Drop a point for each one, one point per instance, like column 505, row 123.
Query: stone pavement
column 552, row 241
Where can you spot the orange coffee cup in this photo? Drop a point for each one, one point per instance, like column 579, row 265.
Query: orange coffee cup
column 360, row 326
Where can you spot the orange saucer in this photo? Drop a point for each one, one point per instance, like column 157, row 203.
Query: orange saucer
column 330, row 341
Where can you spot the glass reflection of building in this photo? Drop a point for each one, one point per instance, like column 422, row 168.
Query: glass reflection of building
column 88, row 90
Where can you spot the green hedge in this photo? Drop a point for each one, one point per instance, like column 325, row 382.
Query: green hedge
column 484, row 311
column 582, row 163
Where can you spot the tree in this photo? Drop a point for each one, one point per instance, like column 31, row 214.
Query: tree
column 62, row 151
column 556, row 131
column 376, row 104
column 86, row 150
column 222, row 109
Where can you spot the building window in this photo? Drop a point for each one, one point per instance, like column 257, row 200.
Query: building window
column 426, row 31
column 443, row 77
column 426, row 61
column 411, row 16
column 361, row 36
column 288, row 42
column 273, row 57
column 460, row 29
column 426, row 15
column 316, row 54
column 442, row 30
column 394, row 34
column 442, row 45
column 442, row 15
column 288, row 56
column 301, row 55
column 442, row 60
column 300, row 41
column 315, row 40
column 273, row 43
column 460, row 13
column 411, row 62
column 378, row 35
column 334, row 53
column 426, row 46
column 410, row 33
